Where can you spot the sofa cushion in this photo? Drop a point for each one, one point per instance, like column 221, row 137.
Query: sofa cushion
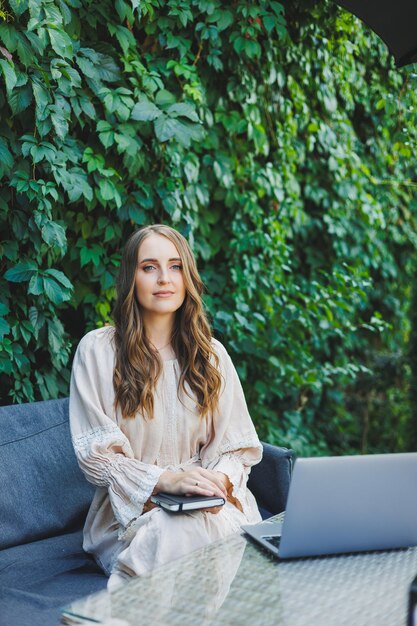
column 269, row 481
column 42, row 490
column 38, row 579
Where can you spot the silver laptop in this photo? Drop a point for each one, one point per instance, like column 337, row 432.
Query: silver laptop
column 345, row 504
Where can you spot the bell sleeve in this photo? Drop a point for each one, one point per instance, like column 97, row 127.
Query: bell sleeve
column 103, row 452
column 234, row 446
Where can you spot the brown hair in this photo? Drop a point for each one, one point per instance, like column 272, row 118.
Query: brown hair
column 138, row 365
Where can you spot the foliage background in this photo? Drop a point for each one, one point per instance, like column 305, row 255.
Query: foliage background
column 278, row 139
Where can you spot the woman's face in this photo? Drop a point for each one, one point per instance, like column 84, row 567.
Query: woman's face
column 159, row 282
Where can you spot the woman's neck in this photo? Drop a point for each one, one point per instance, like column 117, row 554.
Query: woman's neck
column 159, row 331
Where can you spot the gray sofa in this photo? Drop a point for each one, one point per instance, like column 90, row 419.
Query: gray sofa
column 44, row 499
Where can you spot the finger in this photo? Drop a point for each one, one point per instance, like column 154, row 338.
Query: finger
column 219, row 483
column 212, row 478
column 204, row 487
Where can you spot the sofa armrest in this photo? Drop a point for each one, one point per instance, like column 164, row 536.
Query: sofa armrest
column 269, row 481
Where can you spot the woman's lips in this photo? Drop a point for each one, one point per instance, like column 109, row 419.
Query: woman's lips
column 163, row 294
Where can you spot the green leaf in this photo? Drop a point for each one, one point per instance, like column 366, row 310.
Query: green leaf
column 61, row 43
column 21, row 272
column 42, row 98
column 55, row 335
column 25, row 50
column 145, row 112
column 165, row 128
column 6, row 157
column 60, row 277
column 87, row 67
column 184, row 132
column 123, row 35
column 4, row 327
column 9, row 74
column 223, row 19
column 88, row 107
column 107, row 69
column 37, row 318
column 54, row 291
column 183, row 110
column 19, row 6
column 20, row 99
column 108, row 191
column 106, row 133
column 164, row 98
column 59, row 121
column 36, row 285
column 10, row 250
column 54, row 235
column 75, row 183
column 137, row 214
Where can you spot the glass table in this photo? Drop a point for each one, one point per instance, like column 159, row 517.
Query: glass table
column 234, row 582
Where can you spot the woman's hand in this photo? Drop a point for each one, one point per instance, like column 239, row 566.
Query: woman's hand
column 194, row 482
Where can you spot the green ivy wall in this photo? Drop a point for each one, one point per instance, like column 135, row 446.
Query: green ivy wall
column 279, row 139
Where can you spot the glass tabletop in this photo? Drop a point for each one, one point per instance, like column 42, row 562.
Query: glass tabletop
column 234, row 582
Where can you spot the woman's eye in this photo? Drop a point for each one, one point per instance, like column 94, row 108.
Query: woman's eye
column 148, row 268
column 176, row 267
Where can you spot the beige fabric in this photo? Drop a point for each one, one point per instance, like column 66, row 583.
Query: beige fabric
column 125, row 457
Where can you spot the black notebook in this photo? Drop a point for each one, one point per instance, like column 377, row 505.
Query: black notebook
column 176, row 504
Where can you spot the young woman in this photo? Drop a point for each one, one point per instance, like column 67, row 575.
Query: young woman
column 156, row 405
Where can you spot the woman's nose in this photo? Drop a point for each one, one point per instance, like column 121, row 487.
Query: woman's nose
column 163, row 276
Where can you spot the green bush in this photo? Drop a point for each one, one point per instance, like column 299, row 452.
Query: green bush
column 280, row 146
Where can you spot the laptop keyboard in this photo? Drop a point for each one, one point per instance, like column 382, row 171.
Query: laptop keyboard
column 273, row 540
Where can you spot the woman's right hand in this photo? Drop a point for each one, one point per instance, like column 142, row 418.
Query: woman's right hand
column 193, row 482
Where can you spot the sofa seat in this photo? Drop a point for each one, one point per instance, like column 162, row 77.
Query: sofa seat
column 37, row 579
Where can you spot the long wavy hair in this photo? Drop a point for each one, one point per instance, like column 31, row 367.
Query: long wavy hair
column 138, row 365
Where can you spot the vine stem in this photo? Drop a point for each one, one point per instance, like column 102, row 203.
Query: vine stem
column 198, row 55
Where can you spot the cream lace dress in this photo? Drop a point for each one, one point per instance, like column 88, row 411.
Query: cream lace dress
column 125, row 457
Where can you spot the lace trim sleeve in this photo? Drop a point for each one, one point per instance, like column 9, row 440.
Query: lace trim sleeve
column 106, row 458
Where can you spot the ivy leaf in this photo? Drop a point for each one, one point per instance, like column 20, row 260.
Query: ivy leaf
column 185, row 132
column 35, row 285
column 100, row 65
column 75, row 183
column 165, row 127
column 164, row 98
column 20, row 99
column 55, row 334
column 123, row 35
column 42, row 98
column 87, row 106
column 19, row 6
column 9, row 74
column 6, row 157
column 137, row 214
column 145, row 112
column 4, row 327
column 59, row 121
column 87, row 67
column 107, row 69
column 105, row 133
column 60, row 277
column 183, row 110
column 61, row 43
column 108, row 191
column 54, row 235
column 54, row 291
column 24, row 50
column 21, row 272
column 36, row 318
